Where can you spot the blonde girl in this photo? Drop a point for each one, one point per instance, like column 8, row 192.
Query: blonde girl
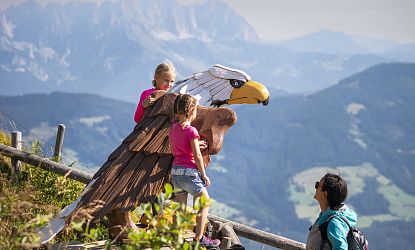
column 164, row 76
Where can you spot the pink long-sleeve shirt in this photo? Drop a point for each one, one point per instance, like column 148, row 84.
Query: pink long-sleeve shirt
column 139, row 112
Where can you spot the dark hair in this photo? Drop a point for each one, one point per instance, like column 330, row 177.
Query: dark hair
column 336, row 188
column 183, row 103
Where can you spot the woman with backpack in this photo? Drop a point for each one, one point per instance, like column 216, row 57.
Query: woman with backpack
column 331, row 228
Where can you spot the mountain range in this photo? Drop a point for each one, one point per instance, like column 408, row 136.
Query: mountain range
column 339, row 103
column 94, row 124
column 363, row 128
column 111, row 48
column 338, row 43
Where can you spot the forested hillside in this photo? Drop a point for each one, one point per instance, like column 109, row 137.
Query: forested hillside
column 362, row 128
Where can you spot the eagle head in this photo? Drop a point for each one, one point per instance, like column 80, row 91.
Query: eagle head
column 220, row 85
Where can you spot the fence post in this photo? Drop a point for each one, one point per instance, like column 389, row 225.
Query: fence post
column 16, row 164
column 59, row 141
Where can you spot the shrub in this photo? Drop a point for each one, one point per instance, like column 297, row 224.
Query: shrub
column 26, row 206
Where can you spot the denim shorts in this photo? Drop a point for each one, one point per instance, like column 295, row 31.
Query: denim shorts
column 187, row 179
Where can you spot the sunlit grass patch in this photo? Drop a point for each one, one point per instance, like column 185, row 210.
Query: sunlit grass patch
column 301, row 191
column 402, row 204
column 367, row 220
column 224, row 210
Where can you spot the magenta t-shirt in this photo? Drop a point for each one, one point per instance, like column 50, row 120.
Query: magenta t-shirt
column 139, row 112
column 180, row 145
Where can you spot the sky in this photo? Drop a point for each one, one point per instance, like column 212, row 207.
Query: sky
column 286, row 19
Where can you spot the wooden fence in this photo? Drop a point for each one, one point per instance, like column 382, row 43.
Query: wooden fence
column 240, row 229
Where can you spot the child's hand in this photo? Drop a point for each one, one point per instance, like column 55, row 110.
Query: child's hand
column 207, row 180
column 202, row 145
column 148, row 101
column 151, row 100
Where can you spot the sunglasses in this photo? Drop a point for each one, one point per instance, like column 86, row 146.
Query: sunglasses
column 317, row 184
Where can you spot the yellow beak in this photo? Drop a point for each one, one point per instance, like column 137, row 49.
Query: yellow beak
column 250, row 93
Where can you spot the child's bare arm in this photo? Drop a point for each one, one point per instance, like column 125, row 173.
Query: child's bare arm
column 194, row 143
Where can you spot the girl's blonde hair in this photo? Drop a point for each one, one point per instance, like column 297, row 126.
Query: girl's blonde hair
column 183, row 104
column 163, row 68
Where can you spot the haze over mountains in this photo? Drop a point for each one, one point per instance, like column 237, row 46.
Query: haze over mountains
column 363, row 127
column 337, row 43
column 359, row 121
column 111, row 48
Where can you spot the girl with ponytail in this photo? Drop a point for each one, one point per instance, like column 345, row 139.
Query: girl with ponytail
column 188, row 171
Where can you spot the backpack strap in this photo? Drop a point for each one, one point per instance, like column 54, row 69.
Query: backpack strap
column 324, row 227
column 343, row 219
column 323, row 230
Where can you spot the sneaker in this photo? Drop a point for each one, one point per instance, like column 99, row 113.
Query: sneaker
column 208, row 242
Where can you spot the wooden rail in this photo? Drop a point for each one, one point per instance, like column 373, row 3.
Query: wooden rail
column 16, row 164
column 45, row 163
column 259, row 235
column 59, row 141
column 240, row 229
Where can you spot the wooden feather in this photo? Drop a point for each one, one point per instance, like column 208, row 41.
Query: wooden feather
column 192, row 85
column 195, row 90
column 221, row 71
column 222, row 94
column 214, row 83
column 136, row 171
column 219, row 83
column 219, row 89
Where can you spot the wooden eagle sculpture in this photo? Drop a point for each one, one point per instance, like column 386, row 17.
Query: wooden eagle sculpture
column 136, row 171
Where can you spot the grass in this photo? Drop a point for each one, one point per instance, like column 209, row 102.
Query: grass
column 39, row 194
column 301, row 190
column 28, row 204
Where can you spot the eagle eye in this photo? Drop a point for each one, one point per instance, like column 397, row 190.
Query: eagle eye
column 237, row 83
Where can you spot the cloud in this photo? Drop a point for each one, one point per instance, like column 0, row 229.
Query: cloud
column 354, row 108
column 7, row 26
column 4, row 4
column 44, row 131
column 93, row 120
